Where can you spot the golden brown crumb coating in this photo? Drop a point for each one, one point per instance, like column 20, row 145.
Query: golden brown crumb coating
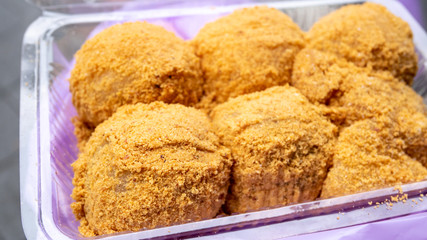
column 369, row 36
column 349, row 94
column 318, row 75
column 413, row 130
column 368, row 156
column 130, row 63
column 247, row 51
column 82, row 132
column 281, row 145
column 373, row 96
column 149, row 165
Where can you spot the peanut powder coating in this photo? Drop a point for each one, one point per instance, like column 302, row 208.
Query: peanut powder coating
column 347, row 94
column 130, row 63
column 283, row 116
column 319, row 75
column 82, row 132
column 367, row 35
column 247, row 51
column 147, row 166
column 281, row 145
column 368, row 156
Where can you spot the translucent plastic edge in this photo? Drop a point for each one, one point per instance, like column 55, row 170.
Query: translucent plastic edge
column 61, row 6
column 34, row 102
column 28, row 140
column 65, row 6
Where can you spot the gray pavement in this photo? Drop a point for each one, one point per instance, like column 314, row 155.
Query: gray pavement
column 15, row 16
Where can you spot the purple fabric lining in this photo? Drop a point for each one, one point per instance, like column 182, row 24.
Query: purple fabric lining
column 414, row 6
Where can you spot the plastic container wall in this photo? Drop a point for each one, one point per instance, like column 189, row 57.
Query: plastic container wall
column 48, row 145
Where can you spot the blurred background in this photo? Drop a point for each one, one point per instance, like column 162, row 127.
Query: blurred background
column 15, row 17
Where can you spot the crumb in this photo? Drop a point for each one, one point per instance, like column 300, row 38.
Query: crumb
column 398, row 188
column 370, row 203
column 389, row 39
column 259, row 131
column 193, row 182
column 142, row 71
column 227, row 65
column 361, row 141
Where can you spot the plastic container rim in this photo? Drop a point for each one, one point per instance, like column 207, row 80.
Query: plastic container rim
column 35, row 146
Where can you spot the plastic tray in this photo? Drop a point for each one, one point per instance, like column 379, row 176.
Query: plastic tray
column 48, row 146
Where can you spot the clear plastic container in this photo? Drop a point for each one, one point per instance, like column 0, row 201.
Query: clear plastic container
column 48, row 146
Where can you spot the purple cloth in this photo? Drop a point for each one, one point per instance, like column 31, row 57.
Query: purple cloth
column 415, row 8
